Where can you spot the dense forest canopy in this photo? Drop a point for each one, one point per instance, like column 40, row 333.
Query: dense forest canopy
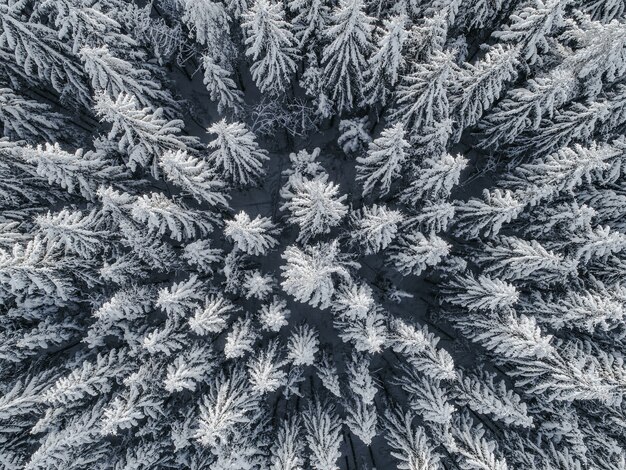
column 313, row 234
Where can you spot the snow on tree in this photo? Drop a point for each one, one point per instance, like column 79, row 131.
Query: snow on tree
column 162, row 215
column 428, row 36
column 473, row 449
column 327, row 373
column 39, row 55
column 265, row 370
column 345, row 55
column 207, row 20
column 436, row 178
column 415, row 252
column 353, row 134
column 309, row 274
column 287, row 452
column 384, row 161
column 409, row 443
column 240, row 339
column 599, row 242
column 212, row 317
column 387, row 62
column 368, row 334
column 589, row 310
column 524, row 107
column 481, row 293
column 531, row 27
column 237, row 154
column 360, row 379
column 421, row 97
column 303, row 345
column 221, row 86
column 253, row 236
column 433, row 217
column 194, row 176
column 75, row 232
column 188, row 369
column 323, row 435
column 482, row 394
column 512, row 258
column 362, row 419
column 508, row 335
column 375, row 227
column 79, row 172
column 476, row 217
column 274, row 315
column 353, row 301
column 141, row 323
column 314, row 205
column 141, row 133
column 271, row 44
column 427, row 398
column 181, row 297
column 477, row 86
column 24, row 118
column 88, row 379
column 567, row 169
column 257, row 285
column 229, row 402
column 116, row 76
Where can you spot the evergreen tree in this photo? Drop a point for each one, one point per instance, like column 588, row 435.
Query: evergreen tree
column 345, row 55
column 384, row 161
column 271, row 46
column 237, row 154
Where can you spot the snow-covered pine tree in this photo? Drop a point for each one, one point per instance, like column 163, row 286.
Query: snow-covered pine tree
column 271, row 44
column 384, row 161
column 345, row 54
column 236, row 153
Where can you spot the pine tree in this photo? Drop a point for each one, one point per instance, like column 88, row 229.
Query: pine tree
column 437, row 177
column 323, row 435
column 477, row 86
column 415, row 252
column 24, row 118
column 387, row 62
column 531, row 27
column 375, row 228
column 116, row 76
column 309, row 274
column 141, row 133
column 520, row 260
column 221, row 86
column 482, row 293
column 476, row 217
column 481, row 393
column 311, row 20
column 421, row 98
column 384, row 161
column 253, row 236
column 193, row 176
column 265, row 370
column 78, row 173
column 237, row 154
column 345, row 55
column 303, row 345
column 288, row 450
column 314, row 204
column 271, row 46
column 410, row 444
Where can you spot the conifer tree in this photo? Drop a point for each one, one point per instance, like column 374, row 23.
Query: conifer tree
column 270, row 44
column 384, row 160
column 237, row 154
column 345, row 55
